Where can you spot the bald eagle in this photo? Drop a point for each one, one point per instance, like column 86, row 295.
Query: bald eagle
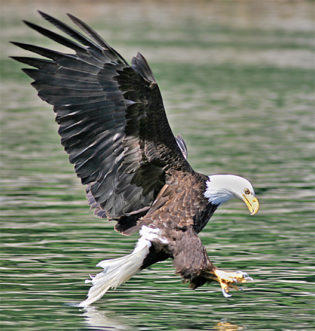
column 113, row 125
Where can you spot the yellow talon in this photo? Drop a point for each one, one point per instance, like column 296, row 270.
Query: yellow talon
column 228, row 280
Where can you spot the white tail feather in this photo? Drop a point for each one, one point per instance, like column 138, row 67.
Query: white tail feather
column 116, row 272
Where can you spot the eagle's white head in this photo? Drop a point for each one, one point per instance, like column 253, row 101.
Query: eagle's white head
column 221, row 188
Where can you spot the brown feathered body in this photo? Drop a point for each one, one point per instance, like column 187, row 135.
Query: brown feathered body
column 180, row 211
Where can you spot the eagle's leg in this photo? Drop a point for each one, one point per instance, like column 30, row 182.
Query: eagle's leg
column 228, row 279
column 193, row 264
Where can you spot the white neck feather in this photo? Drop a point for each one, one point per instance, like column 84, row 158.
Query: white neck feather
column 221, row 188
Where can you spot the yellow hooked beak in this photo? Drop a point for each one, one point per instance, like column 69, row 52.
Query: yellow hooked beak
column 251, row 203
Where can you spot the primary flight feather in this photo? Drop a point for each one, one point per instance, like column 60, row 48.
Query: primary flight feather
column 113, row 125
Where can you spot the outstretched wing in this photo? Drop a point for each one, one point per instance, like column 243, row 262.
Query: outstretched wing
column 111, row 119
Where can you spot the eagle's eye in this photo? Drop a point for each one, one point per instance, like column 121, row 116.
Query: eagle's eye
column 247, row 191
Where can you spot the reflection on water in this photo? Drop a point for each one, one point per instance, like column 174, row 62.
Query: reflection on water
column 238, row 83
column 97, row 318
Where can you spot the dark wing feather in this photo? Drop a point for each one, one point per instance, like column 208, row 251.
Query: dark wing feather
column 111, row 119
column 182, row 146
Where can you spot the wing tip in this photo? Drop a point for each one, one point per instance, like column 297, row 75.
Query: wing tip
column 31, row 25
column 43, row 14
column 19, row 44
column 71, row 16
column 76, row 20
column 141, row 66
